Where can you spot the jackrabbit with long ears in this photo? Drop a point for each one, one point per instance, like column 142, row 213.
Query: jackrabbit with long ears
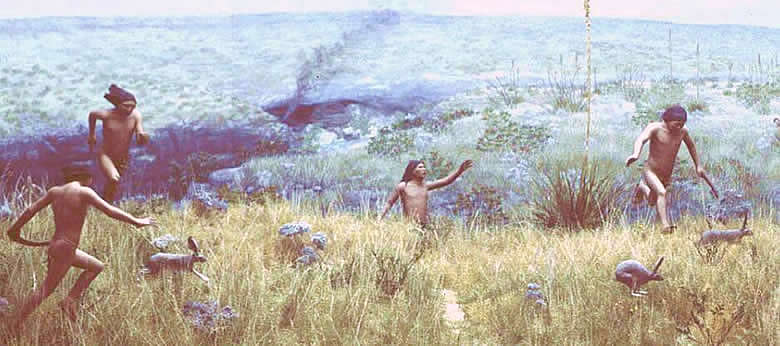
column 633, row 274
column 712, row 237
column 175, row 262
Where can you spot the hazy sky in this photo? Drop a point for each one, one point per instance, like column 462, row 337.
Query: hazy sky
column 751, row 12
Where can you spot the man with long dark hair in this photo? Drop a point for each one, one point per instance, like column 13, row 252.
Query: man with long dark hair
column 413, row 190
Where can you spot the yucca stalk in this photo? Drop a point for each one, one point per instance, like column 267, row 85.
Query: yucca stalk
column 589, row 90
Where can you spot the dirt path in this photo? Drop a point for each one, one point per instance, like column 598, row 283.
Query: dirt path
column 453, row 313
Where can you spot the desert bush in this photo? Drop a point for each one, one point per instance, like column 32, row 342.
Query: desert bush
column 195, row 168
column 393, row 270
column 575, row 198
column 658, row 98
column 631, row 82
column 260, row 196
column 507, row 89
column 501, row 133
column 696, row 105
column 483, row 202
column 407, row 122
column 437, row 165
column 757, row 96
column 389, row 142
column 708, row 322
column 565, row 90
column 437, row 124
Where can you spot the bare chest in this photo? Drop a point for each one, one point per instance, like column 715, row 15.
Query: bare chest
column 664, row 142
column 119, row 125
column 415, row 193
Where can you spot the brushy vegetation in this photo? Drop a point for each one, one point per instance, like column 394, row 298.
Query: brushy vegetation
column 575, row 197
column 390, row 142
column 656, row 99
column 504, row 134
column 565, row 89
column 380, row 283
column 507, row 90
column 758, row 95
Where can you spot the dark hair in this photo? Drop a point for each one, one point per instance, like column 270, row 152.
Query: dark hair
column 76, row 172
column 117, row 95
column 675, row 113
column 409, row 171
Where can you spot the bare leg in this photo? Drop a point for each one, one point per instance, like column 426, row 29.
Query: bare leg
column 641, row 191
column 659, row 190
column 111, row 174
column 58, row 267
column 92, row 267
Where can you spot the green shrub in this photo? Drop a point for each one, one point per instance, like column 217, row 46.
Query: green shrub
column 195, row 168
column 657, row 99
column 565, row 90
column 574, row 198
column 407, row 122
column 437, row 166
column 444, row 120
column 757, row 96
column 483, row 201
column 507, row 89
column 502, row 133
column 694, row 106
column 631, row 82
column 390, row 142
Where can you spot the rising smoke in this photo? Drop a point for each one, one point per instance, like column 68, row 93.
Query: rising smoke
column 322, row 64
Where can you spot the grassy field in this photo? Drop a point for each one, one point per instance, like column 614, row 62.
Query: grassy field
column 354, row 294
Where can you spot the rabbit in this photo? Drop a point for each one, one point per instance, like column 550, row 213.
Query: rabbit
column 633, row 274
column 176, row 262
column 712, row 237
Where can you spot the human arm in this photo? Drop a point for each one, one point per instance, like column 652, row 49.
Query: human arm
column 639, row 143
column 94, row 116
column 142, row 138
column 695, row 157
column 16, row 229
column 451, row 177
column 114, row 212
column 391, row 201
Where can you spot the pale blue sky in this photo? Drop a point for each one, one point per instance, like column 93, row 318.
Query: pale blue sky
column 751, row 12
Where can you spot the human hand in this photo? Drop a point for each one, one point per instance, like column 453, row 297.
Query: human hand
column 91, row 140
column 631, row 159
column 142, row 138
column 465, row 165
column 147, row 221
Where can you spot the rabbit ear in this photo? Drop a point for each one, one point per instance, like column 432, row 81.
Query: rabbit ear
column 192, row 244
column 660, row 260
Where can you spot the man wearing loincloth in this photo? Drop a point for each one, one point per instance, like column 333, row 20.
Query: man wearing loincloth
column 119, row 125
column 69, row 203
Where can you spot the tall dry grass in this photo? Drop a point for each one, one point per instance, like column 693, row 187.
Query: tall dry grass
column 342, row 301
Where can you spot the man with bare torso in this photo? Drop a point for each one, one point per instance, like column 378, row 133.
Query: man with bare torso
column 69, row 202
column 665, row 139
column 119, row 125
column 413, row 190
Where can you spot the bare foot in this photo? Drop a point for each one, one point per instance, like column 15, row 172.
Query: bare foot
column 68, row 306
column 668, row 229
